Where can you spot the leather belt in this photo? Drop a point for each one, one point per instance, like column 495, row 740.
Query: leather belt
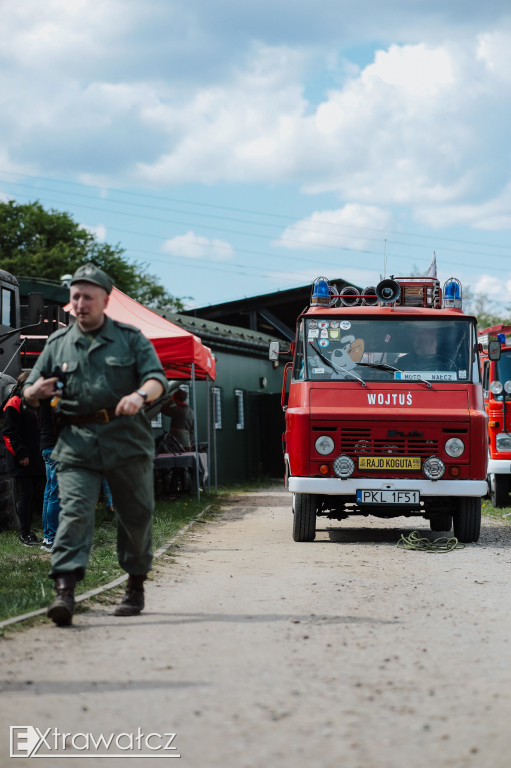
column 97, row 417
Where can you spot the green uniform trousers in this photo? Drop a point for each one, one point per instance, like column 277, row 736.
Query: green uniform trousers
column 133, row 495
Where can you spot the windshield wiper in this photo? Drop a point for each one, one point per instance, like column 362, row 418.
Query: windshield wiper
column 386, row 367
column 381, row 366
column 336, row 368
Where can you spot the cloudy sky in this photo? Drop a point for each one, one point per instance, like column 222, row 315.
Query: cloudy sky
column 238, row 147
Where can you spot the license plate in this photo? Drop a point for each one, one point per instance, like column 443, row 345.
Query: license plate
column 399, row 463
column 388, row 497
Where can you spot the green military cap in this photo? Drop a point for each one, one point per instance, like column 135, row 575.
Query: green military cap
column 90, row 273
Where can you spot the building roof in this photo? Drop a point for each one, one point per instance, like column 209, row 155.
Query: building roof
column 221, row 336
column 270, row 313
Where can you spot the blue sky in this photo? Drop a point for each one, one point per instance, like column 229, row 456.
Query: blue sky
column 237, row 148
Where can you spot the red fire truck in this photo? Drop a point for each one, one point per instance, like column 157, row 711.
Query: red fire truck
column 496, row 377
column 385, row 411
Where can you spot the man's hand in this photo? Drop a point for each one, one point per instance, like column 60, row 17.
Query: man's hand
column 129, row 405
column 24, row 462
column 41, row 389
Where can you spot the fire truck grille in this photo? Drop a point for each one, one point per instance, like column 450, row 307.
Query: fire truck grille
column 360, row 442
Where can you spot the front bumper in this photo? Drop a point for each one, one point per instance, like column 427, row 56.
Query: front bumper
column 334, row 486
column 499, row 466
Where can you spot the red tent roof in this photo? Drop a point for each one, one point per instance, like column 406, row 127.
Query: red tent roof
column 176, row 348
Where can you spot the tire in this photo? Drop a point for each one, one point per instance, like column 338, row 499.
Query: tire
column 499, row 490
column 467, row 519
column 304, row 517
column 441, row 522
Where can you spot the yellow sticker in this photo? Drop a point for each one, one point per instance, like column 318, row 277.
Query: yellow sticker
column 401, row 463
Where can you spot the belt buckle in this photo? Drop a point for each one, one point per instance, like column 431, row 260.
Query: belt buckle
column 102, row 416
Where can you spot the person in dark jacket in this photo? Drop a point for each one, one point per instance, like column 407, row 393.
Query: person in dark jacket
column 24, row 461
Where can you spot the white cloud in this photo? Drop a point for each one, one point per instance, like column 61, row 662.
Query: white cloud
column 99, row 231
column 192, row 246
column 164, row 94
column 493, row 214
column 352, row 226
column 415, row 69
column 496, row 289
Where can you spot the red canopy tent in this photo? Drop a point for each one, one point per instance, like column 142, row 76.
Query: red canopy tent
column 177, row 349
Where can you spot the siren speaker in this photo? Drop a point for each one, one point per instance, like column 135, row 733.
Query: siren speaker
column 388, row 291
column 350, row 296
column 370, row 297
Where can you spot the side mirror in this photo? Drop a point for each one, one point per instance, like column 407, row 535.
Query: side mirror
column 494, row 350
column 274, row 350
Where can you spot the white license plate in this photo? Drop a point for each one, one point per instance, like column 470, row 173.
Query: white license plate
column 388, row 497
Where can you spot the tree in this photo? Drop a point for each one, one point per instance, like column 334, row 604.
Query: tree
column 49, row 244
column 480, row 305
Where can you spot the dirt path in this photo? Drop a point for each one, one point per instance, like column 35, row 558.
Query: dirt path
column 257, row 651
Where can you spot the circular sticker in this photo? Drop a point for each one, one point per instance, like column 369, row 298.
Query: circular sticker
column 334, row 323
column 323, row 324
column 313, row 323
column 324, row 342
column 345, row 324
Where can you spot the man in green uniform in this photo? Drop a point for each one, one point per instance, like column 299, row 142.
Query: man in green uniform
column 110, row 371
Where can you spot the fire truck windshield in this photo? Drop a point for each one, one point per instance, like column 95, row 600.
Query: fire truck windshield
column 386, row 349
column 503, row 371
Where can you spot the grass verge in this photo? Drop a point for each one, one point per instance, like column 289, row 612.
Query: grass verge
column 24, row 582
column 497, row 514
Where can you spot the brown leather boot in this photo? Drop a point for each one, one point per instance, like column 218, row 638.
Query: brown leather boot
column 62, row 609
column 133, row 600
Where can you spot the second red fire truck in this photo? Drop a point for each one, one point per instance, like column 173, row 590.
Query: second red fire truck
column 496, row 378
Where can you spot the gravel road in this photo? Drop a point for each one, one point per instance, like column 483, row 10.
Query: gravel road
column 257, row 651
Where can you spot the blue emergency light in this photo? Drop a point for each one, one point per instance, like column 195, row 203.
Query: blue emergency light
column 320, row 291
column 501, row 337
column 452, row 293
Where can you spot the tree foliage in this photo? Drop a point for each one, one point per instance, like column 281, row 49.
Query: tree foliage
column 35, row 242
column 481, row 306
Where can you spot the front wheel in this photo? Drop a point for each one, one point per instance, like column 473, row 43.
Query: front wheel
column 467, row 519
column 304, row 517
column 499, row 490
column 441, row 522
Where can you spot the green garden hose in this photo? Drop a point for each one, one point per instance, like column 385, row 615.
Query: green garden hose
column 416, row 542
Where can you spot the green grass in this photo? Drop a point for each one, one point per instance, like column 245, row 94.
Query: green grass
column 497, row 514
column 24, row 582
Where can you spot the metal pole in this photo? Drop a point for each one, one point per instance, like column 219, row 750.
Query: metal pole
column 208, row 416
column 195, row 434
column 214, row 437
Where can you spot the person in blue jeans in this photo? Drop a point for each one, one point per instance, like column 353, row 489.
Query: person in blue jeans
column 51, row 504
column 107, row 496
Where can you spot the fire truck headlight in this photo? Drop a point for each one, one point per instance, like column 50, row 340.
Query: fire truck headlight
column 503, row 442
column 324, row 445
column 496, row 387
column 344, row 466
column 433, row 468
column 507, row 387
column 454, row 447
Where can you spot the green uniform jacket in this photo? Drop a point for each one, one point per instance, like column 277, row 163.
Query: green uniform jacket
column 98, row 375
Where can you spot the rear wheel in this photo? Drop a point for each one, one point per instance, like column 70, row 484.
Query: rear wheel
column 304, row 518
column 467, row 519
column 499, row 490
